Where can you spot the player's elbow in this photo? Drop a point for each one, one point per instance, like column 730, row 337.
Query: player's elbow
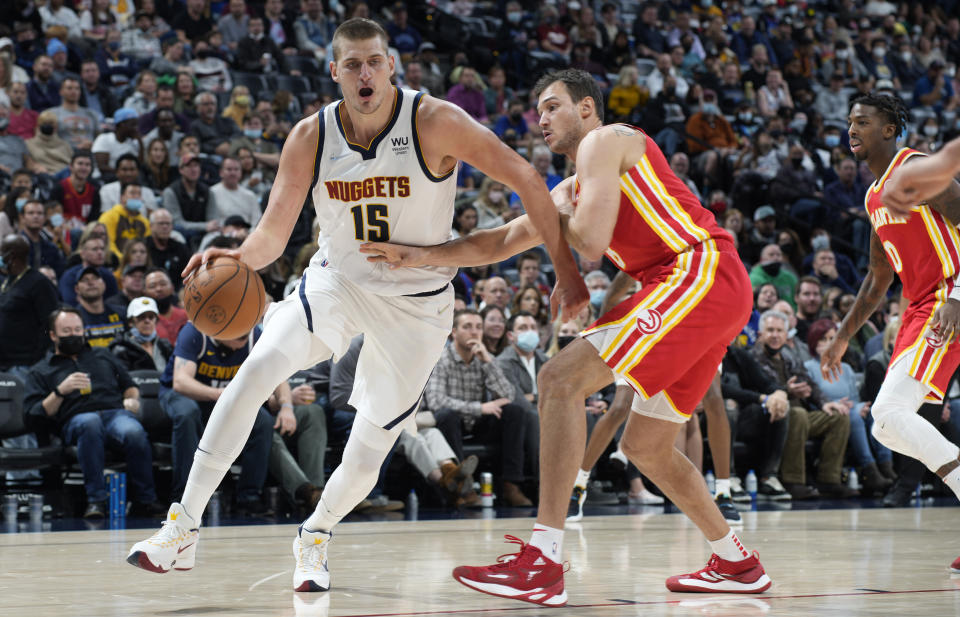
column 591, row 249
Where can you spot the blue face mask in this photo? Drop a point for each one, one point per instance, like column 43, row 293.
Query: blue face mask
column 20, row 203
column 252, row 133
column 141, row 338
column 832, row 141
column 528, row 340
column 711, row 109
column 597, row 296
column 134, row 205
column 56, row 219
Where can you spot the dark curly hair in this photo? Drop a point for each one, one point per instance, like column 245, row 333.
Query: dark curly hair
column 890, row 105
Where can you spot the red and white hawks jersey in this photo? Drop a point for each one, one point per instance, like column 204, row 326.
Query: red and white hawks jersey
column 924, row 249
column 659, row 218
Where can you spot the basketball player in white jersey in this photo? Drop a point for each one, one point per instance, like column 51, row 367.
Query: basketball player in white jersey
column 380, row 164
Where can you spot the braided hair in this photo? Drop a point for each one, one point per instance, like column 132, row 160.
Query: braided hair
column 889, row 105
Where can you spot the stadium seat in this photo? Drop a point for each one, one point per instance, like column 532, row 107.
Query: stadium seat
column 156, row 422
column 12, row 424
column 305, row 64
column 290, row 83
column 253, row 81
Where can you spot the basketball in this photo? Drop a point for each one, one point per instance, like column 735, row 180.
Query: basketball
column 225, row 299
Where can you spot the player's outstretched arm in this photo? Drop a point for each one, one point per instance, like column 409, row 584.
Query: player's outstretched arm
column 871, row 295
column 289, row 192
column 485, row 246
column 923, row 179
column 449, row 128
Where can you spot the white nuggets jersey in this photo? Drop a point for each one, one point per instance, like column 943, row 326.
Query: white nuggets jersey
column 380, row 192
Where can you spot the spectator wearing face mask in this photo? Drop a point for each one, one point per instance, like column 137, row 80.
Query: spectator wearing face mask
column 521, row 362
column 845, row 64
column 710, row 139
column 773, row 270
column 125, row 221
column 49, row 153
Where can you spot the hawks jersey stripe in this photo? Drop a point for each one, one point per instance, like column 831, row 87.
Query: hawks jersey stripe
column 921, row 338
column 681, row 309
column 673, row 295
column 679, row 217
column 951, row 240
column 899, row 157
column 671, row 285
column 647, row 211
column 936, row 238
column 929, row 370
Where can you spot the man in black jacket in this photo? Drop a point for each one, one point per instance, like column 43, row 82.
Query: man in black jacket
column 258, row 53
column 26, row 298
column 759, row 419
column 91, row 398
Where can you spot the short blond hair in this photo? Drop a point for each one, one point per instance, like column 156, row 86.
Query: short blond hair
column 359, row 29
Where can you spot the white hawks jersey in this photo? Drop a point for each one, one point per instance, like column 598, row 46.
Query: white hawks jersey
column 381, row 191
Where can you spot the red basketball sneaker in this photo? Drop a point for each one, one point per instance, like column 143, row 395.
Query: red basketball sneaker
column 955, row 566
column 526, row 575
column 720, row 575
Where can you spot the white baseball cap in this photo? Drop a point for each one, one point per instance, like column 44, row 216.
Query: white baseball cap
column 141, row 305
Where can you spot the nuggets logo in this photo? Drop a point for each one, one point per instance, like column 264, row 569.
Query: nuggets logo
column 649, row 321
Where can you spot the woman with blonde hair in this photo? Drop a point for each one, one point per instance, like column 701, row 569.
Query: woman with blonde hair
column 492, row 204
column 185, row 89
column 157, row 172
column 626, row 96
column 239, row 105
column 135, row 253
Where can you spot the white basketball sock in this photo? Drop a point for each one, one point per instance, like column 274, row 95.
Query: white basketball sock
column 549, row 540
column 722, row 487
column 729, row 547
column 582, row 478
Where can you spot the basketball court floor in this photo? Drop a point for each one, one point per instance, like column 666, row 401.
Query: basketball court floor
column 852, row 562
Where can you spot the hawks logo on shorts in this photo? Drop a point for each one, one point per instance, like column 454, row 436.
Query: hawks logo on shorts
column 649, row 321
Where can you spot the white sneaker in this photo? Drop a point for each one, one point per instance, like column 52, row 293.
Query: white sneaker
column 645, row 498
column 619, row 459
column 737, row 493
column 575, row 508
column 174, row 546
column 310, row 549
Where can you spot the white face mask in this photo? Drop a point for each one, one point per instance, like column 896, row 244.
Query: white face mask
column 929, row 130
column 495, row 196
column 905, row 56
column 879, row 52
column 843, row 54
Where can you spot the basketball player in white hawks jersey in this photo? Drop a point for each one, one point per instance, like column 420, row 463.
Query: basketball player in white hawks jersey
column 379, row 165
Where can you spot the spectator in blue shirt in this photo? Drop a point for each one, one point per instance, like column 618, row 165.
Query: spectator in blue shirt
column 935, row 90
column 742, row 42
column 403, row 36
column 541, row 161
column 513, row 119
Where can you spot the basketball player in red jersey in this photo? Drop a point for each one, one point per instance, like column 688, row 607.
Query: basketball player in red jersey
column 922, row 245
column 666, row 341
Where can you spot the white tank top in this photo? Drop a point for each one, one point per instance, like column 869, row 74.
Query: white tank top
column 383, row 192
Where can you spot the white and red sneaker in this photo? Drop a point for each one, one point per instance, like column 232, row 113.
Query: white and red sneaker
column 722, row 576
column 173, row 547
column 526, row 575
column 955, row 566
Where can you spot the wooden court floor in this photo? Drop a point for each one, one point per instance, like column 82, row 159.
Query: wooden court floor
column 835, row 562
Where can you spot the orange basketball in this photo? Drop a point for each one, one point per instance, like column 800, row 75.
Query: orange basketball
column 225, row 299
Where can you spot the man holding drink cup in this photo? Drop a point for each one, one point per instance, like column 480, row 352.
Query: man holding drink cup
column 91, row 399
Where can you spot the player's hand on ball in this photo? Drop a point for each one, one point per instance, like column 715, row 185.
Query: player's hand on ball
column 394, row 255
column 946, row 321
column 202, row 259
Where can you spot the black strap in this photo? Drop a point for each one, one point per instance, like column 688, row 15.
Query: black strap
column 427, row 294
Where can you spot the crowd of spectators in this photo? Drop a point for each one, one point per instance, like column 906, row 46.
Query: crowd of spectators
column 134, row 133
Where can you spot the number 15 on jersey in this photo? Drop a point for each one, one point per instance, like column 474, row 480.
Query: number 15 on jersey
column 370, row 222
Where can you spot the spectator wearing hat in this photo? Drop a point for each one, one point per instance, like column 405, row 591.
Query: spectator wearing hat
column 258, row 53
column 189, row 201
column 94, row 95
column 764, row 232
column 75, row 123
column 101, row 322
column 128, row 170
column 126, row 221
column 91, row 397
column 17, row 73
column 140, row 348
column 109, row 146
column 166, row 251
column 935, row 90
column 49, row 152
column 710, row 139
column 132, row 285
column 234, row 226
column 43, row 90
column 59, row 55
column 92, row 250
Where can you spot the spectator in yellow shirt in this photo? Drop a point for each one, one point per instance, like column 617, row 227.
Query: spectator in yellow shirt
column 125, row 221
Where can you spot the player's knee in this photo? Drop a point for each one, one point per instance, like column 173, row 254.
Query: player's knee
column 554, row 381
column 642, row 453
